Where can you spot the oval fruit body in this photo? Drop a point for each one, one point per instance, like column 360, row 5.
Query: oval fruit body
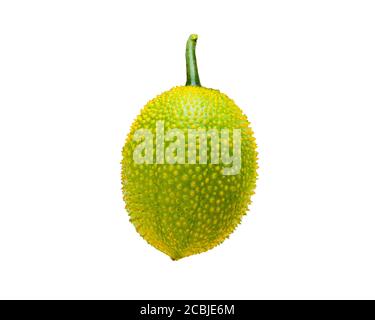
column 178, row 206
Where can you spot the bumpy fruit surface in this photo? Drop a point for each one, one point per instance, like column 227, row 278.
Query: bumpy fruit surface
column 185, row 209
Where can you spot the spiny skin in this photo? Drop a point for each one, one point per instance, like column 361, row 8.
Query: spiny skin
column 186, row 209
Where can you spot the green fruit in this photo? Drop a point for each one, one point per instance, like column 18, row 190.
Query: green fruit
column 178, row 206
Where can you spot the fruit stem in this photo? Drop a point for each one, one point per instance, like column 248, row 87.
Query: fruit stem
column 192, row 76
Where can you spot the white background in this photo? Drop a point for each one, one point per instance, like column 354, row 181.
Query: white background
column 74, row 75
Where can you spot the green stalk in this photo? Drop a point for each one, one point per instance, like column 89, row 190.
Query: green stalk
column 192, row 76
